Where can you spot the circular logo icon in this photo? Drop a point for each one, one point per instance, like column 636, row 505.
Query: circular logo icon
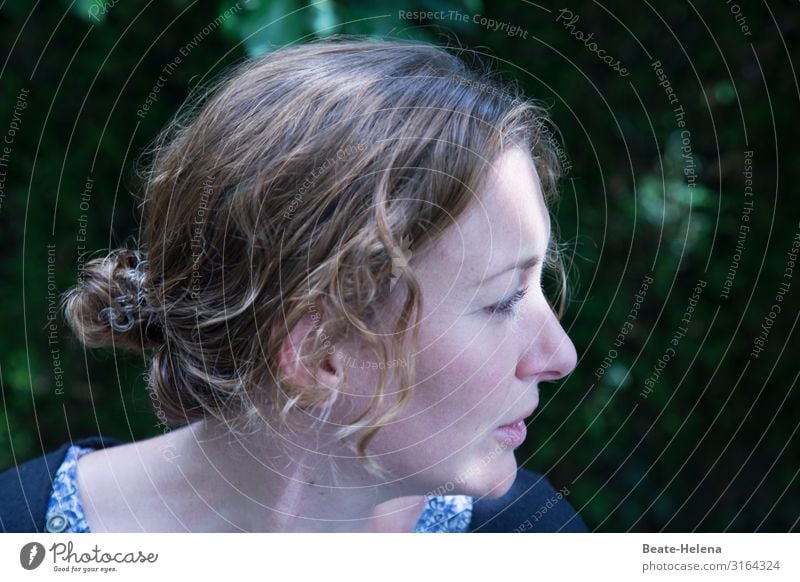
column 31, row 555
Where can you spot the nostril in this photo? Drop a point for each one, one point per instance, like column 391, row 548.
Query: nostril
column 563, row 361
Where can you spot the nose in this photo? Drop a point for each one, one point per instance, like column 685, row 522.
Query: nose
column 551, row 354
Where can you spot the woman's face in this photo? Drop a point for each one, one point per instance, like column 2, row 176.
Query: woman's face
column 484, row 347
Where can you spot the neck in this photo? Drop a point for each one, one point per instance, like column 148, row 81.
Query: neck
column 266, row 482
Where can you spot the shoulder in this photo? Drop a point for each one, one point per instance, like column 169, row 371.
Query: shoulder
column 26, row 489
column 531, row 505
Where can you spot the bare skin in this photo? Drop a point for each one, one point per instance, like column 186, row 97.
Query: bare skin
column 477, row 369
column 174, row 483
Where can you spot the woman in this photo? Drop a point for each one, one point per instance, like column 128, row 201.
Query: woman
column 338, row 285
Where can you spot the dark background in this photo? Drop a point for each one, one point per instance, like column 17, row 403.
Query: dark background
column 709, row 444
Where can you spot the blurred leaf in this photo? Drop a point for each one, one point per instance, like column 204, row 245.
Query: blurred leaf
column 93, row 11
column 265, row 25
column 324, row 20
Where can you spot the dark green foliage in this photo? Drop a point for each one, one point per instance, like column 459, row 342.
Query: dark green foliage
column 708, row 442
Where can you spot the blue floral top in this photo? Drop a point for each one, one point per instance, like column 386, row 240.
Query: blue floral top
column 447, row 513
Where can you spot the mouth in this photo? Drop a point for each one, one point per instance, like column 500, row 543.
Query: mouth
column 521, row 419
column 514, row 433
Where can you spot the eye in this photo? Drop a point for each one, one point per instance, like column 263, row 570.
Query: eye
column 508, row 307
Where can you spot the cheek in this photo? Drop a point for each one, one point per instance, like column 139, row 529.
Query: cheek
column 463, row 376
column 464, row 369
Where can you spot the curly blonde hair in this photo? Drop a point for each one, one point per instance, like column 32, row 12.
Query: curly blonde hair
column 287, row 189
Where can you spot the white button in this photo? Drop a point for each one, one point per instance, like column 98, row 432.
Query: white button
column 57, row 523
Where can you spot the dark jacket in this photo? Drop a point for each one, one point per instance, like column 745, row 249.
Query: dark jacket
column 531, row 505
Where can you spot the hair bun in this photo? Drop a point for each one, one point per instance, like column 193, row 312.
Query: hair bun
column 110, row 305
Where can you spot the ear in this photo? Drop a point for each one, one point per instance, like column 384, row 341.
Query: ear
column 326, row 374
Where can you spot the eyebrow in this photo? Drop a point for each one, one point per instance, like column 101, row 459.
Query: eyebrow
column 524, row 264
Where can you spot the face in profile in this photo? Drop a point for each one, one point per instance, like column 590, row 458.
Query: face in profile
column 488, row 337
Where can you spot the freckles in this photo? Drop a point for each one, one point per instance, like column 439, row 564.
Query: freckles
column 486, row 358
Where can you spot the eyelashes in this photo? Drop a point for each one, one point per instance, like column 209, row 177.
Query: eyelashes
column 508, row 307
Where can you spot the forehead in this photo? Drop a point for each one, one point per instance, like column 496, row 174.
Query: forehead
column 508, row 221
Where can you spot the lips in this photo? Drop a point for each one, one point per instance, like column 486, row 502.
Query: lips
column 520, row 419
column 513, row 434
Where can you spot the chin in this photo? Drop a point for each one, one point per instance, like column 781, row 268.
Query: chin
column 503, row 485
column 493, row 480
